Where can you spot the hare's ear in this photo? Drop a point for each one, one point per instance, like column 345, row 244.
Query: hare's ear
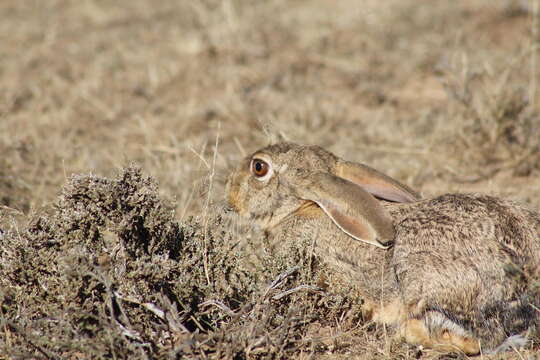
column 375, row 182
column 351, row 208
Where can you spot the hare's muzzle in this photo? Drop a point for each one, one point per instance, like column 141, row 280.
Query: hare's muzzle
column 233, row 194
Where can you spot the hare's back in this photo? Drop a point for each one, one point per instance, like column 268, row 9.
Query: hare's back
column 456, row 252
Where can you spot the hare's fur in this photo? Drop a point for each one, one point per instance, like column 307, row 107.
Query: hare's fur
column 449, row 280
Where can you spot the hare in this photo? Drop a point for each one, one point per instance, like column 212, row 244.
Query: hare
column 442, row 271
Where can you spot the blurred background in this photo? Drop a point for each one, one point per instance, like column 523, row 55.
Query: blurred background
column 442, row 95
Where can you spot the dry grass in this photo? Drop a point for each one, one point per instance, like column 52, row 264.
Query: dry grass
column 442, row 95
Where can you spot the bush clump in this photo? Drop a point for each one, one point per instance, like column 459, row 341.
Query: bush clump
column 110, row 273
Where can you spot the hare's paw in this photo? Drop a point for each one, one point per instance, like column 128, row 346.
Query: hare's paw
column 391, row 313
column 434, row 330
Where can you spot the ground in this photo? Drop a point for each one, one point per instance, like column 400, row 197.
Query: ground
column 161, row 99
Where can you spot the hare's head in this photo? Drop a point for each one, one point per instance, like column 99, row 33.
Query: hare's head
column 283, row 179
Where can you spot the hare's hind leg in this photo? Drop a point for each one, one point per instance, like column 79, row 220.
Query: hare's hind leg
column 432, row 329
column 436, row 331
column 419, row 326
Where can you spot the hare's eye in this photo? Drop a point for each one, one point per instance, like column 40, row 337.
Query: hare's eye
column 260, row 168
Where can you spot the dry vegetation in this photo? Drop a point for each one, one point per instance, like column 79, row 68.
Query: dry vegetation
column 443, row 95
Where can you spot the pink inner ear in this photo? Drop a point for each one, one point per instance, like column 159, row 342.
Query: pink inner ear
column 348, row 223
column 354, row 227
column 376, row 183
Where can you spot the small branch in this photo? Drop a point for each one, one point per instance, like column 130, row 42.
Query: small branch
column 203, row 160
column 297, row 289
column 535, row 45
column 279, row 280
column 207, row 204
column 258, row 342
column 240, row 147
column 220, row 305
column 166, row 316
column 129, row 333
column 154, row 310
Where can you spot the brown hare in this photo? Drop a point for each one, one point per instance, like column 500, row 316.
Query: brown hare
column 438, row 270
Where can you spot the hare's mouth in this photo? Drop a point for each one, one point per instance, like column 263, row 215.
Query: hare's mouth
column 228, row 209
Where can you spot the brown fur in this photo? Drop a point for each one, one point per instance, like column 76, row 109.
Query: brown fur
column 444, row 284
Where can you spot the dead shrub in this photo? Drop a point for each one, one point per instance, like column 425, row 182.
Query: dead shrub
column 110, row 273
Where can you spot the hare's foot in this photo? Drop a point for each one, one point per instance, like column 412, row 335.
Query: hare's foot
column 431, row 329
column 391, row 313
column 436, row 331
